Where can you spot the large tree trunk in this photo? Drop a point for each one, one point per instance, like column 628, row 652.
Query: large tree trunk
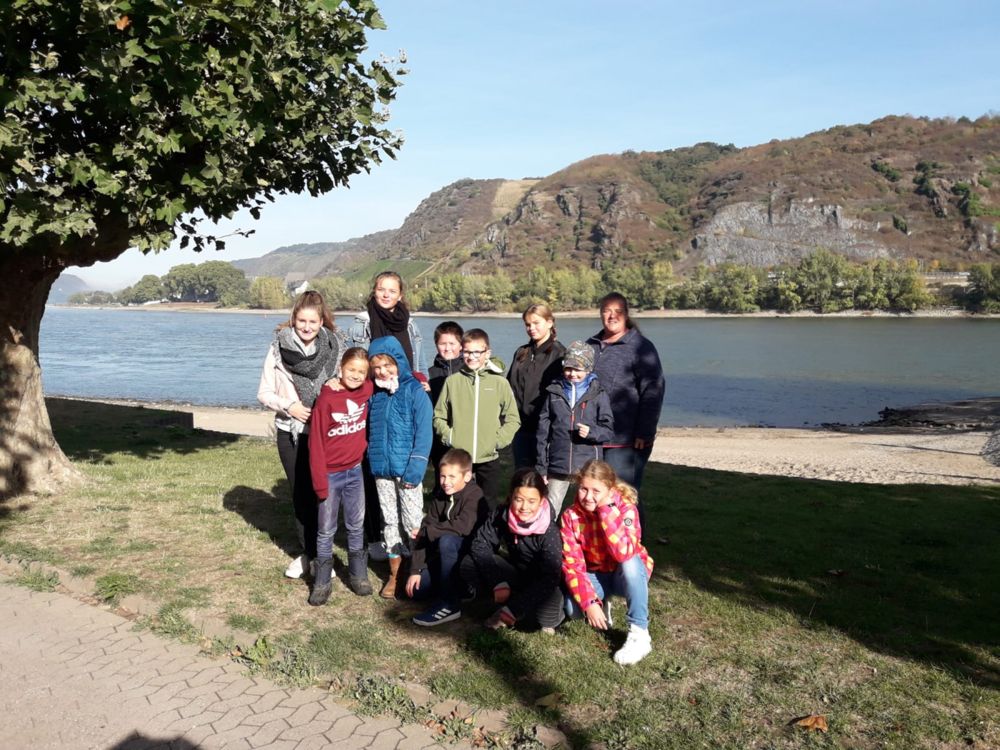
column 30, row 459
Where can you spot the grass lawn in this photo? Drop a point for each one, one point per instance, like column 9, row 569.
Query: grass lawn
column 772, row 599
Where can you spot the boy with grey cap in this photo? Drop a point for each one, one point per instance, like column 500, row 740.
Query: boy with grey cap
column 574, row 420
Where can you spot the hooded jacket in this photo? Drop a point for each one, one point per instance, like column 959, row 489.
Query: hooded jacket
column 399, row 424
column 631, row 373
column 561, row 450
column 477, row 411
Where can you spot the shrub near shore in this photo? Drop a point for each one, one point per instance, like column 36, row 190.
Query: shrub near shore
column 772, row 598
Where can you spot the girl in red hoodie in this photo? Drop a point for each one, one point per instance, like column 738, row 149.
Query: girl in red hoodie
column 336, row 448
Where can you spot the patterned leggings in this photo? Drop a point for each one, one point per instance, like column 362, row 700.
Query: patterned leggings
column 402, row 512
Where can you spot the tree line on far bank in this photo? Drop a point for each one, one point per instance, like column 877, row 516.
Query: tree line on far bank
column 822, row 282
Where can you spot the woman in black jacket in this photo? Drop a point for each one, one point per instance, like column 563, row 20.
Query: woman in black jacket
column 534, row 366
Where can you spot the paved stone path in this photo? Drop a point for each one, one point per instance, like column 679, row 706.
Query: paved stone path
column 76, row 676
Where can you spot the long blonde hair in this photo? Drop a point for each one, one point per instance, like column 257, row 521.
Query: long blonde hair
column 603, row 473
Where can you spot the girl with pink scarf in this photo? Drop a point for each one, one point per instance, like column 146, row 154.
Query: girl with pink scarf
column 525, row 584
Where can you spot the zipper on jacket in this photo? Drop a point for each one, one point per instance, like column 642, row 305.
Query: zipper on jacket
column 475, row 418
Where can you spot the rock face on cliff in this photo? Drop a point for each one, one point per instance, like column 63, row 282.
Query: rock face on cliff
column 899, row 187
column 784, row 231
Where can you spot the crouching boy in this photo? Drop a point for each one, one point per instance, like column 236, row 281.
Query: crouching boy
column 454, row 512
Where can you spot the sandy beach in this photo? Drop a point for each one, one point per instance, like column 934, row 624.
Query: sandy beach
column 868, row 457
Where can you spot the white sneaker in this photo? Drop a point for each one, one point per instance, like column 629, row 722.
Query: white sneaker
column 376, row 552
column 606, row 606
column 297, row 567
column 637, row 645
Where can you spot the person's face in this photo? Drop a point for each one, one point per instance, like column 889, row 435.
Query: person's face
column 353, row 373
column 307, row 324
column 452, row 478
column 449, row 346
column 387, row 293
column 614, row 319
column 525, row 503
column 475, row 354
column 384, row 369
column 592, row 493
column 538, row 328
column 574, row 375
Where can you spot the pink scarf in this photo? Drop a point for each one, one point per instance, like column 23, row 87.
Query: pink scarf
column 537, row 525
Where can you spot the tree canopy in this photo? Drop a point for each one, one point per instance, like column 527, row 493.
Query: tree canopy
column 124, row 123
column 121, row 117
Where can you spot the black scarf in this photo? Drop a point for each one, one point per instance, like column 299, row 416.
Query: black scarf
column 395, row 323
column 309, row 372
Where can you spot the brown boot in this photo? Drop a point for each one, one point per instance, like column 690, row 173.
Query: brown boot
column 389, row 590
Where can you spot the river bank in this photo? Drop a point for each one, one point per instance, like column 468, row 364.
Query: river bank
column 872, row 457
column 943, row 312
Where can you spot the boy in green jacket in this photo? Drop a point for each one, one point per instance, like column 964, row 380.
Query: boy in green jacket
column 476, row 411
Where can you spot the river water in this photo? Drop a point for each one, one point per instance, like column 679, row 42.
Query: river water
column 783, row 372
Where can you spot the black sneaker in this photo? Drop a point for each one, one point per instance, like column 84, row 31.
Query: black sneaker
column 437, row 616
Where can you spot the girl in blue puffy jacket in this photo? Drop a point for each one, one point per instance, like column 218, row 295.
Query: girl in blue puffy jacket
column 399, row 443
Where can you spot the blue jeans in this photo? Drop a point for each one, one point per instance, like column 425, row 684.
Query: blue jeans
column 629, row 580
column 629, row 464
column 440, row 577
column 347, row 490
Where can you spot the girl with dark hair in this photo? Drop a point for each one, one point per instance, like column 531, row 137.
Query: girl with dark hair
column 525, row 583
column 386, row 314
column 305, row 354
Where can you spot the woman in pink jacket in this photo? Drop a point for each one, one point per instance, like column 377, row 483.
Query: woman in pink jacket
column 305, row 354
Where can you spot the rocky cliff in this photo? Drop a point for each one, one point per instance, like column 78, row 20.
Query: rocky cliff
column 899, row 187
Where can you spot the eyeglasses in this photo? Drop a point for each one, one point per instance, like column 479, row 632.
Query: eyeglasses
column 473, row 353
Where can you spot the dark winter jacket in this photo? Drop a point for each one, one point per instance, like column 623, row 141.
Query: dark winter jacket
column 457, row 514
column 561, row 450
column 399, row 424
column 440, row 370
column 537, row 558
column 531, row 370
column 631, row 374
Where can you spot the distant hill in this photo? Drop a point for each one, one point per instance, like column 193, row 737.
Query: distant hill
column 64, row 286
column 899, row 187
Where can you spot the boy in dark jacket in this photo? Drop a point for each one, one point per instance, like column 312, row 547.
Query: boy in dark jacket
column 575, row 419
column 447, row 361
column 456, row 509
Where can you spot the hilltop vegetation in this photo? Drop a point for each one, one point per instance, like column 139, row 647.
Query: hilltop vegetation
column 898, row 188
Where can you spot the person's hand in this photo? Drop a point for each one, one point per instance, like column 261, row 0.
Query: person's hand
column 414, row 532
column 496, row 620
column 299, row 411
column 334, row 384
column 595, row 616
column 501, row 593
column 583, row 430
column 412, row 584
column 427, row 386
column 640, row 444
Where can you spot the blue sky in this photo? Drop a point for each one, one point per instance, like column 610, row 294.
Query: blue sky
column 521, row 89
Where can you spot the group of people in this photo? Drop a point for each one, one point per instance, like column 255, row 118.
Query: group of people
column 358, row 420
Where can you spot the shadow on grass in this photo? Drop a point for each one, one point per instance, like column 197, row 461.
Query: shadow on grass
column 908, row 570
column 89, row 431
column 269, row 512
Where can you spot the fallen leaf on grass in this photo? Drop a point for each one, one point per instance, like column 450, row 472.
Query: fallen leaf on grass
column 812, row 722
column 836, row 572
column 549, row 701
column 123, row 23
